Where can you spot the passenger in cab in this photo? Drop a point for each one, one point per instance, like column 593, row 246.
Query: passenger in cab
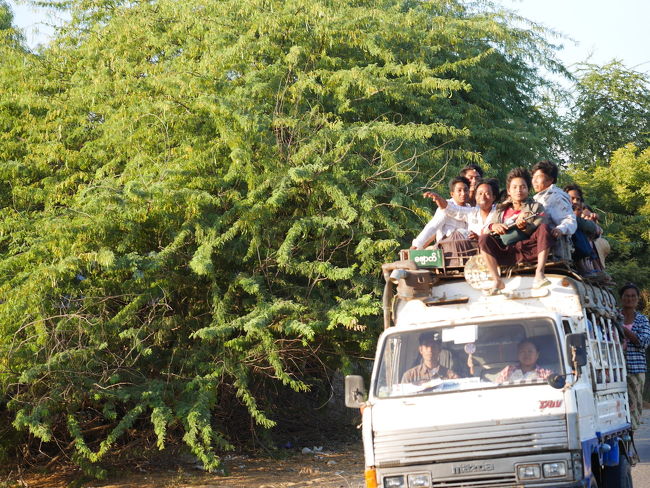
column 527, row 369
column 442, row 226
column 477, row 217
column 473, row 173
column 430, row 367
column 557, row 205
column 518, row 232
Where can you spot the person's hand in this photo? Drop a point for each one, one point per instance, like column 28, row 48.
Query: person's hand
column 631, row 336
column 499, row 228
column 521, row 220
column 412, row 247
column 472, row 236
column 589, row 215
column 556, row 233
column 440, row 201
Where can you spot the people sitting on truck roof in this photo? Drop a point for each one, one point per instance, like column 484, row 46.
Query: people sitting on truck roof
column 473, row 172
column 577, row 196
column 442, row 226
column 585, row 256
column 557, row 205
column 450, row 232
column 477, row 217
column 430, row 368
column 527, row 368
column 518, row 232
column 587, row 219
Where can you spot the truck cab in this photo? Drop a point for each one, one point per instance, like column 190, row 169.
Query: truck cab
column 525, row 388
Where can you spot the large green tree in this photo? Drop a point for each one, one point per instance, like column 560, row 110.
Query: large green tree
column 611, row 109
column 620, row 192
column 197, row 197
column 609, row 136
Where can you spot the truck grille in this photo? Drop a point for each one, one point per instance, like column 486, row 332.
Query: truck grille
column 503, row 482
column 476, row 440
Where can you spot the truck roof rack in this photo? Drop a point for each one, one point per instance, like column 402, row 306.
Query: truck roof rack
column 562, row 267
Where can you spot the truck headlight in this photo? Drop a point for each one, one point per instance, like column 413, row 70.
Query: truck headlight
column 420, row 480
column 554, row 470
column 394, row 482
column 528, row 472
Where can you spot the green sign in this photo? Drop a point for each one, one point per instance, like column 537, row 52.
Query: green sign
column 427, row 258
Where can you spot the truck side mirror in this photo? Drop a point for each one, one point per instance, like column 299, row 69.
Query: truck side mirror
column 557, row 381
column 577, row 344
column 355, row 391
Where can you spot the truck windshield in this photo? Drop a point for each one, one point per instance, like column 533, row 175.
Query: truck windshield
column 469, row 356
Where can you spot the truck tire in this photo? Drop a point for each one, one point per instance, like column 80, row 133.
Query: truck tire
column 619, row 476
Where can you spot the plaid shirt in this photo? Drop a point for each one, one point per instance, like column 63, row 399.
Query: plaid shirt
column 635, row 354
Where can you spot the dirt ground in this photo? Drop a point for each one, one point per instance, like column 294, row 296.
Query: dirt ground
column 335, row 466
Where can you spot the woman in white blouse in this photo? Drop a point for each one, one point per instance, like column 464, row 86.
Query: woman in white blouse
column 477, row 218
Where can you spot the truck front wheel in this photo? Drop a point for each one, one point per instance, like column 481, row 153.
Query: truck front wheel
column 619, row 476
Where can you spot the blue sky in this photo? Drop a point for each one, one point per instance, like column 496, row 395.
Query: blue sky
column 602, row 29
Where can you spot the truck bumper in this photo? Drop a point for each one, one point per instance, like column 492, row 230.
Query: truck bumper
column 490, row 473
column 569, row 484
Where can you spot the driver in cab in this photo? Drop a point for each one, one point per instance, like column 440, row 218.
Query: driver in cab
column 430, row 367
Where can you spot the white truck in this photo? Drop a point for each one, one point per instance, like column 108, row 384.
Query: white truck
column 568, row 426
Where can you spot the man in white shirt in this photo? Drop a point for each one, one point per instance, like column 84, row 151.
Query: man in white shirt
column 557, row 206
column 478, row 217
column 443, row 225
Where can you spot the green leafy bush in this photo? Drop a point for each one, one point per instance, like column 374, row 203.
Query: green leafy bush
column 197, row 197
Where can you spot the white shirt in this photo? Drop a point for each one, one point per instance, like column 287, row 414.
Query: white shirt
column 558, row 209
column 441, row 225
column 471, row 215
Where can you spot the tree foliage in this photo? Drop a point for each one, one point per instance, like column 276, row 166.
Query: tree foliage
column 8, row 33
column 609, row 131
column 196, row 197
column 612, row 109
column 620, row 192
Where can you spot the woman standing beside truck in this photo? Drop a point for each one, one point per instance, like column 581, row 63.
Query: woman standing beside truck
column 637, row 338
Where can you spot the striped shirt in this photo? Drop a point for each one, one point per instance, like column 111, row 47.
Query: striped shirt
column 635, row 354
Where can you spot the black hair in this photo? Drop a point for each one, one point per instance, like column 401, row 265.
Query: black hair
column 629, row 286
column 429, row 337
column 519, row 173
column 473, row 166
column 458, row 179
column 574, row 187
column 493, row 183
column 528, row 341
column 547, row 167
